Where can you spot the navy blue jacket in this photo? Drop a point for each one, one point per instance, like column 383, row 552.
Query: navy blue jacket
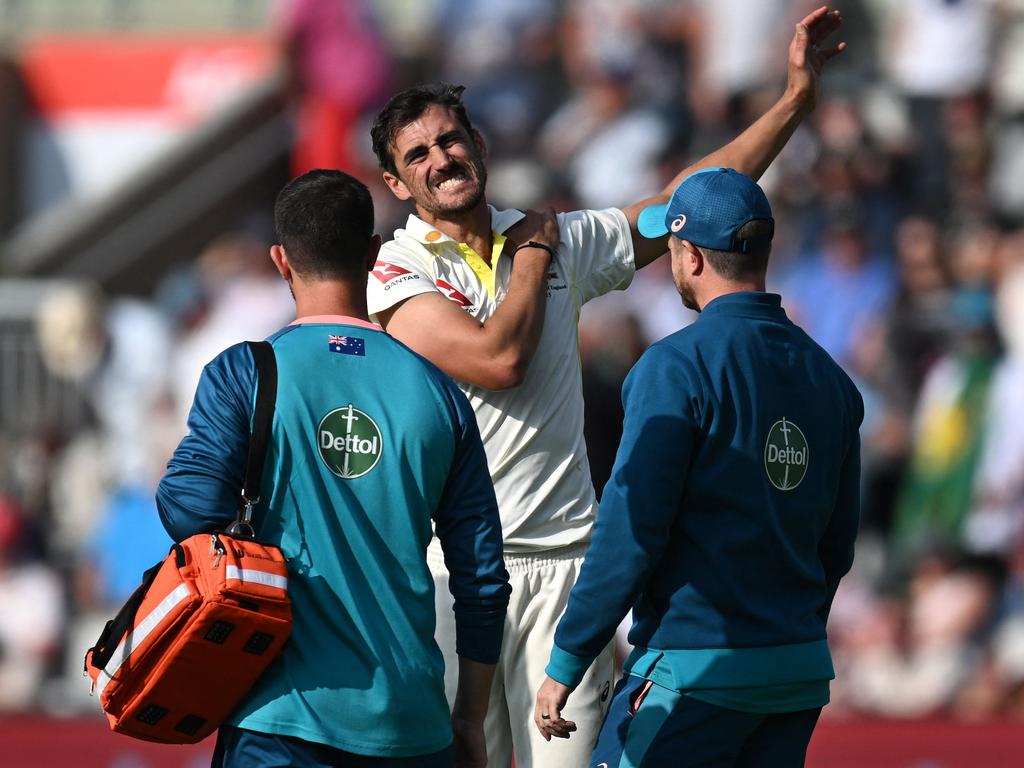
column 732, row 508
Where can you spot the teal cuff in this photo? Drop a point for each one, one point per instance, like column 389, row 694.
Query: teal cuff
column 567, row 668
column 703, row 668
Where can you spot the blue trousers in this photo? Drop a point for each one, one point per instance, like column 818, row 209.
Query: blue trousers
column 241, row 748
column 649, row 725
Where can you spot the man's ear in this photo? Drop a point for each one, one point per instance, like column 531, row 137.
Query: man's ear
column 481, row 145
column 694, row 258
column 280, row 259
column 397, row 186
column 371, row 253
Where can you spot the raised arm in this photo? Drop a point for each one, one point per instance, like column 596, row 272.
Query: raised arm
column 493, row 354
column 753, row 150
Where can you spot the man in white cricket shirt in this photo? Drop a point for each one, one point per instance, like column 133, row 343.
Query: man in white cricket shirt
column 466, row 288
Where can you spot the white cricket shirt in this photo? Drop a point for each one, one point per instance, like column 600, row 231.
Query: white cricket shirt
column 533, row 433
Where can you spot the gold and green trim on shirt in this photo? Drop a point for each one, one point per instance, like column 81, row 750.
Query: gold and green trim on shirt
column 486, row 273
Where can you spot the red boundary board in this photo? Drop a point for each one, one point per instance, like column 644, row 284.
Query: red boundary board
column 854, row 743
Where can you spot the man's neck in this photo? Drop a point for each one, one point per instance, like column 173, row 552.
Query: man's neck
column 724, row 287
column 472, row 228
column 330, row 297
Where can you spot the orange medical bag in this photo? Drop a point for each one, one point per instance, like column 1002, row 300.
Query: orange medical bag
column 204, row 624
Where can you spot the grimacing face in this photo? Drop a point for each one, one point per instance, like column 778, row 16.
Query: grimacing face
column 440, row 165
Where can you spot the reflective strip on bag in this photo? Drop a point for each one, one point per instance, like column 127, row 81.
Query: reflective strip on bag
column 257, row 577
column 137, row 636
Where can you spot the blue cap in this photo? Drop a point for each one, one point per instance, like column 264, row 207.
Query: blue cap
column 708, row 208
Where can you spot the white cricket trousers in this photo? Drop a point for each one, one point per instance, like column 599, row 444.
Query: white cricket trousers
column 540, row 590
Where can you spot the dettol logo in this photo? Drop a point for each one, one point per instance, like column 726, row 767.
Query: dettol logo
column 785, row 455
column 350, row 442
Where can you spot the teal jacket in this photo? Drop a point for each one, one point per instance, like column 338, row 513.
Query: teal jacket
column 370, row 444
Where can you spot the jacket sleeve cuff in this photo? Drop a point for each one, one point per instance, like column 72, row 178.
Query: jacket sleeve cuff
column 480, row 643
column 567, row 668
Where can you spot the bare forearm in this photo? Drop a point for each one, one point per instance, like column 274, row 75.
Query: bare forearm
column 474, row 691
column 751, row 153
column 469, row 713
column 493, row 354
column 514, row 329
column 753, row 150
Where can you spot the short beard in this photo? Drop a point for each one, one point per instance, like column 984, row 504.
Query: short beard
column 469, row 205
column 689, row 298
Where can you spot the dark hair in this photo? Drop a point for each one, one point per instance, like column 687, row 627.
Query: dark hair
column 403, row 108
column 733, row 265
column 324, row 220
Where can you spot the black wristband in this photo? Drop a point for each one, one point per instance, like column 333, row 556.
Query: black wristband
column 535, row 244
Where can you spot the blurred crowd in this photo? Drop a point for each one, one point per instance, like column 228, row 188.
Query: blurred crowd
column 899, row 247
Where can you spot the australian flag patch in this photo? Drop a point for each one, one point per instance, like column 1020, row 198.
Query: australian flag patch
column 347, row 345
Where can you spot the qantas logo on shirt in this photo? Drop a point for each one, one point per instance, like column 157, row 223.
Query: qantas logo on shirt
column 386, row 272
column 454, row 294
column 392, row 274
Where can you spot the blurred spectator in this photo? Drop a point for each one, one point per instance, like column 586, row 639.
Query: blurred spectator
column 127, row 540
column 584, row 140
column 338, row 67
column 853, row 171
column 924, row 35
column 918, row 321
column 1007, row 166
column 124, row 539
column 891, row 358
column 241, row 297
column 996, row 521
column 118, row 350
column 31, row 615
column 738, row 56
column 504, row 52
column 913, row 654
column 649, row 37
column 949, row 430
column 839, row 292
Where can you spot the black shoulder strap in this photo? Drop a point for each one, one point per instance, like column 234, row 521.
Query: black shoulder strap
column 263, row 417
column 118, row 627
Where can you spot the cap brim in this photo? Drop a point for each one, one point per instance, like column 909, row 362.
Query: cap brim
column 651, row 221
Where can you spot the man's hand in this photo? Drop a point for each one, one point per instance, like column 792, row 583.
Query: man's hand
column 547, row 713
column 540, row 226
column 470, row 746
column 807, row 55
